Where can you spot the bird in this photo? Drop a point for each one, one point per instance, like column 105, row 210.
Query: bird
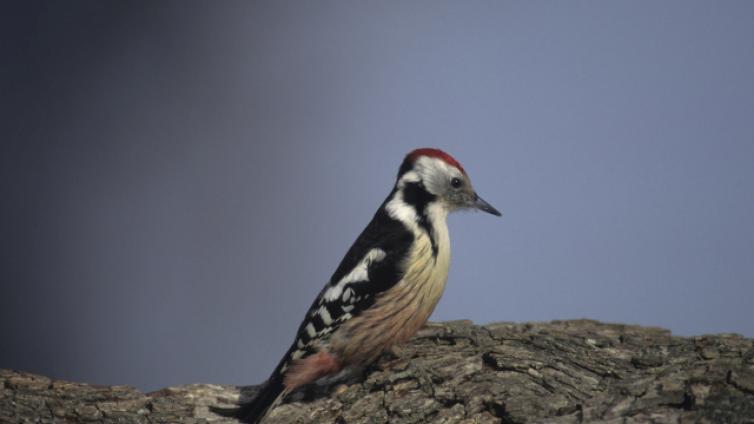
column 385, row 287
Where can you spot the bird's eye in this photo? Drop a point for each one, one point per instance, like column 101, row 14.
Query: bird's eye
column 455, row 182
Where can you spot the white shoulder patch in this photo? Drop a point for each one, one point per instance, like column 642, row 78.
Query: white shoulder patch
column 403, row 212
column 358, row 273
column 310, row 330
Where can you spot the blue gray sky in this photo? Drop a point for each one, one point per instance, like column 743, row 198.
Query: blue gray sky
column 180, row 179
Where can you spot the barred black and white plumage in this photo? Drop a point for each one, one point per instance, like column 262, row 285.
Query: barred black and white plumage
column 385, row 287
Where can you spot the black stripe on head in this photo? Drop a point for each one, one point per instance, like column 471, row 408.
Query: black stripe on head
column 416, row 195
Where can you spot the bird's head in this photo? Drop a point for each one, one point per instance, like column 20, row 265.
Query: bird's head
column 432, row 176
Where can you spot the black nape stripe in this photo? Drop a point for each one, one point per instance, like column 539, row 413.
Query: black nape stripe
column 406, row 166
column 417, row 196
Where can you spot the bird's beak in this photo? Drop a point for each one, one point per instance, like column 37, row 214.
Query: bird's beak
column 481, row 204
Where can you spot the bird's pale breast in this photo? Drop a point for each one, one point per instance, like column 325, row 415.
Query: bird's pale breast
column 399, row 312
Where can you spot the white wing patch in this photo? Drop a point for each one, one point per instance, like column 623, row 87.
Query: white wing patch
column 347, row 293
column 310, row 330
column 358, row 273
column 341, row 294
column 325, row 315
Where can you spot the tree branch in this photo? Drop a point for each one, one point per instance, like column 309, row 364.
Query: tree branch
column 457, row 372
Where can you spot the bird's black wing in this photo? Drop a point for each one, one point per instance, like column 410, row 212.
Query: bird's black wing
column 372, row 265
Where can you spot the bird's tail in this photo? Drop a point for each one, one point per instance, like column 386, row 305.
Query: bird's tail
column 253, row 411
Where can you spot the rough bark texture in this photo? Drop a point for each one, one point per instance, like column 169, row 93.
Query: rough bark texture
column 457, row 372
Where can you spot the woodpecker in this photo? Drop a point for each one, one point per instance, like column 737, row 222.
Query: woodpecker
column 386, row 286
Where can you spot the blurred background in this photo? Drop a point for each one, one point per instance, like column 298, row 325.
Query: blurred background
column 180, row 179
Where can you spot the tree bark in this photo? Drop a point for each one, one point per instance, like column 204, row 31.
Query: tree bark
column 457, row 372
